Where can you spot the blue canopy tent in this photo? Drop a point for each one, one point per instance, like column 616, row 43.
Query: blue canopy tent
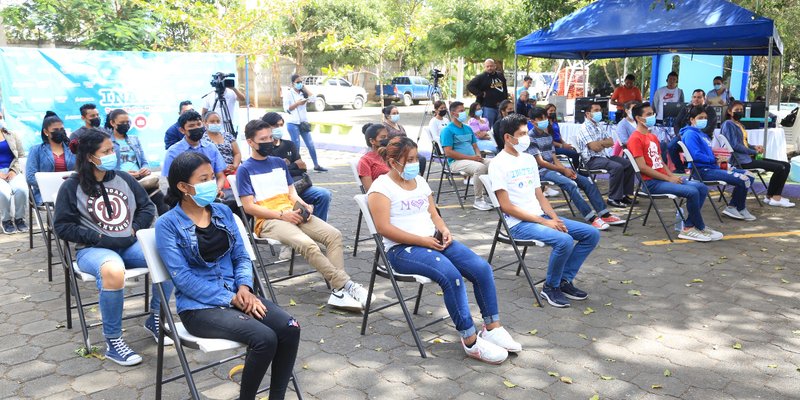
column 633, row 28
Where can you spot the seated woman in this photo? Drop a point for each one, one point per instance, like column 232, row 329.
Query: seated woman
column 52, row 155
column 100, row 210
column 419, row 242
column 12, row 183
column 131, row 158
column 734, row 131
column 699, row 145
column 214, row 278
column 480, row 126
column 371, row 164
column 439, row 120
column 225, row 141
column 391, row 116
column 506, row 108
column 562, row 148
column 317, row 196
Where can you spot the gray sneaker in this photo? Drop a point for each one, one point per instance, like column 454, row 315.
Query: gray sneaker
column 694, row 234
column 747, row 216
column 732, row 212
column 714, row 235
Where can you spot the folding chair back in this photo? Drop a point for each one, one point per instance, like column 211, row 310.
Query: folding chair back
column 49, row 183
column 354, row 169
column 643, row 191
column 438, row 156
column 695, row 174
column 158, row 271
column 358, row 239
column 361, row 200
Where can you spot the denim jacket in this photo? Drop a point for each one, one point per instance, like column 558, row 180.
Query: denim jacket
column 133, row 141
column 40, row 159
column 200, row 284
column 735, row 137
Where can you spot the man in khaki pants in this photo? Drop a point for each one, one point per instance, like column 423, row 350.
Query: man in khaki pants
column 460, row 146
column 267, row 193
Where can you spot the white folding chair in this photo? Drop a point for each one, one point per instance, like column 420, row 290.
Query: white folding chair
column 438, row 157
column 354, row 169
column 382, row 267
column 695, row 175
column 49, row 183
column 502, row 234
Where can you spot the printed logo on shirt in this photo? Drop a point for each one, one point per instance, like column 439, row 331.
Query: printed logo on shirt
column 668, row 96
column 497, row 84
column 115, row 219
column 416, row 204
column 655, row 158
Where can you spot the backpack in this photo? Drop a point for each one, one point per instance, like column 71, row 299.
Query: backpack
column 788, row 120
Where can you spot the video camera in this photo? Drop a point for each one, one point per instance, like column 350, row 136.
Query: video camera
column 221, row 80
column 436, row 74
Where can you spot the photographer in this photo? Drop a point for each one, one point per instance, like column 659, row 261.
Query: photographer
column 232, row 97
column 295, row 100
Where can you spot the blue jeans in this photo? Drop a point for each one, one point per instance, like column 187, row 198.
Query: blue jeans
column 571, row 187
column 90, row 259
column 320, row 198
column 694, row 192
column 294, row 132
column 490, row 114
column 735, row 178
column 673, row 149
column 567, row 257
column 483, row 145
column 446, row 268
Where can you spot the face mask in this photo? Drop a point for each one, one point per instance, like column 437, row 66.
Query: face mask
column 94, row 122
column 630, row 114
column 395, row 118
column 205, row 193
column 552, row 116
column 717, row 87
column 196, row 134
column 216, row 128
column 479, row 113
column 650, row 121
column 107, row 163
column 738, row 115
column 442, row 113
column 298, row 86
column 58, row 136
column 265, row 149
column 123, row 128
column 700, row 123
column 522, row 144
column 410, row 171
column 542, row 125
column 597, row 116
column 2, row 124
column 462, row 117
column 277, row 133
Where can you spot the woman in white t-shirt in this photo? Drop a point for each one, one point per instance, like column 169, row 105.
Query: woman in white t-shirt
column 419, row 243
column 439, row 120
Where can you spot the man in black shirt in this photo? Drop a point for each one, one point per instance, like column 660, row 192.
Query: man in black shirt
column 90, row 117
column 698, row 99
column 489, row 89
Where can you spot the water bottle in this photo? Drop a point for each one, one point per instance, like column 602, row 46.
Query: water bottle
column 679, row 220
column 747, row 112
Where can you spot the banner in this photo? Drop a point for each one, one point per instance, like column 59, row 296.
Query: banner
column 149, row 86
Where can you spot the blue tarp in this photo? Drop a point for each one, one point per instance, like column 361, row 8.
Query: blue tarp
column 632, row 28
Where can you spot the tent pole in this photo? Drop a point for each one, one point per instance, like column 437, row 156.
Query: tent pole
column 515, row 73
column 247, row 84
column 766, row 98
column 780, row 83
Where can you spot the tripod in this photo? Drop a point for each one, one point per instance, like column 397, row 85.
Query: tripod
column 227, row 121
column 434, row 94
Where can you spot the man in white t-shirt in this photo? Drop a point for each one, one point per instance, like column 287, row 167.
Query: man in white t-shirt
column 515, row 180
column 667, row 94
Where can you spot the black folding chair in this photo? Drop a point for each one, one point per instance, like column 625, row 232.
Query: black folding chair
column 695, row 175
column 567, row 199
column 359, row 239
column 502, row 234
column 179, row 334
column 382, row 267
column 438, row 157
column 643, row 191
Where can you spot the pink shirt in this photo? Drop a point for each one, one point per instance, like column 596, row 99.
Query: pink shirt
column 479, row 125
column 372, row 165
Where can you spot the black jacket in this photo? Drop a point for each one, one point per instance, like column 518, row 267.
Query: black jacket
column 487, row 89
column 683, row 119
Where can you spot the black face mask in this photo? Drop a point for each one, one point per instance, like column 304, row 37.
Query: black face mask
column 738, row 115
column 95, row 122
column 58, row 136
column 551, row 116
column 194, row 134
column 124, row 128
column 265, row 149
column 384, row 142
column 442, row 113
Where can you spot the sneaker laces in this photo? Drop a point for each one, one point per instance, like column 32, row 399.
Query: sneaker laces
column 353, row 292
column 120, row 347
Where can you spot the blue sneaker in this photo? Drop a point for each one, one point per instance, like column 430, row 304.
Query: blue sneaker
column 119, row 352
column 571, row 292
column 554, row 296
column 152, row 324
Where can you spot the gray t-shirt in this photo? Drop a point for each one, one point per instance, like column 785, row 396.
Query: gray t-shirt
column 541, row 145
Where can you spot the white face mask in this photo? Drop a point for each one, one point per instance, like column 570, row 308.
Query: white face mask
column 523, row 143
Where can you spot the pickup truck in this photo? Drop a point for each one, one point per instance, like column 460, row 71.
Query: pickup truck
column 335, row 92
column 408, row 89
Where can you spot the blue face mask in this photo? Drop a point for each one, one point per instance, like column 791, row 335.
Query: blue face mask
column 479, row 113
column 410, row 171
column 701, row 123
column 542, row 125
column 205, row 193
column 597, row 116
column 395, row 118
column 277, row 132
column 650, row 121
column 107, row 163
column 717, row 87
column 298, row 86
column 462, row 117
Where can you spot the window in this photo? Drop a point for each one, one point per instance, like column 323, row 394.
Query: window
column 343, row 83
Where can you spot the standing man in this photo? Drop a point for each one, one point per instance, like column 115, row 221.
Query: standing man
column 667, row 94
column 698, row 99
column 624, row 94
column 173, row 134
column 90, row 117
column 489, row 89
column 527, row 81
column 461, row 148
column 720, row 95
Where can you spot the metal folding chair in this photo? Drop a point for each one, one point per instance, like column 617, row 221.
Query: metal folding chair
column 354, row 168
column 642, row 191
column 720, row 185
column 382, row 267
column 567, row 199
column 49, row 183
column 178, row 333
column 502, row 234
column 438, row 157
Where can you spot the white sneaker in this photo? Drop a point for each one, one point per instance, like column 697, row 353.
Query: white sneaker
column 502, row 338
column 694, row 234
column 747, row 216
column 340, row 298
column 359, row 292
column 550, row 192
column 285, row 254
column 481, row 204
column 732, row 212
column 714, row 235
column 783, row 202
column 485, row 351
column 786, row 203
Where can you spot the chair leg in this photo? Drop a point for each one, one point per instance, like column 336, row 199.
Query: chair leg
column 187, row 372
column 419, row 296
column 160, row 356
column 147, row 293
column 79, row 307
column 663, row 225
column 358, row 232
column 409, row 320
column 714, row 207
column 524, row 268
column 524, row 253
column 630, row 210
column 68, row 298
column 49, row 245
column 494, row 241
column 455, row 189
column 264, row 272
column 647, row 214
column 439, row 189
column 296, row 385
column 569, row 203
column 369, row 293
column 466, row 189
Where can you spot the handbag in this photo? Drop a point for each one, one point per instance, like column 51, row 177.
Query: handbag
column 302, row 184
column 305, row 127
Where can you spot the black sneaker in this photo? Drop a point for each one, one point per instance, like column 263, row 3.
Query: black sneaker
column 8, row 227
column 571, row 292
column 628, row 200
column 320, row 169
column 617, row 203
column 21, row 226
column 554, row 297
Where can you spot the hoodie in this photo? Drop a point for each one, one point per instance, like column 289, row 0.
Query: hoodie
column 699, row 146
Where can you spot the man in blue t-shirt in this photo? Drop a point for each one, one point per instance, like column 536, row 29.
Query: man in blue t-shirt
column 191, row 126
column 460, row 146
column 173, row 134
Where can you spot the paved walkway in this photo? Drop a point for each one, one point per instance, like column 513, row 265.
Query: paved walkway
column 686, row 320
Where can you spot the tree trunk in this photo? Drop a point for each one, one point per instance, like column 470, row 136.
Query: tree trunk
column 608, row 77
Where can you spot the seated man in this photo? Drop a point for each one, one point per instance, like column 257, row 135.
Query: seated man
column 173, row 134
column 515, row 181
column 592, row 142
column 552, row 170
column 461, row 148
column 284, row 149
column 645, row 148
column 190, row 125
column 267, row 193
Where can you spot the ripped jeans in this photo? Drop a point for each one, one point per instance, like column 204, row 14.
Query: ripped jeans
column 738, row 178
column 446, row 268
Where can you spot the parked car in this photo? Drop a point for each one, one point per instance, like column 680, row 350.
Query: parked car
column 408, row 89
column 335, row 92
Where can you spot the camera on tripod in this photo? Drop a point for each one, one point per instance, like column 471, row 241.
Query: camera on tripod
column 220, row 81
column 436, row 74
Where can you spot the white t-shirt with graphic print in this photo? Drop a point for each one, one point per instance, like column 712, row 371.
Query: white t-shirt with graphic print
column 519, row 176
column 409, row 209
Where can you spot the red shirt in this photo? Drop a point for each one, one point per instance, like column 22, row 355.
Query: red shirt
column 372, row 165
column 648, row 147
column 622, row 95
column 60, row 163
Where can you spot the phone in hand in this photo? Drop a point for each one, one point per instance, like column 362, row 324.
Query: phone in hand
column 439, row 237
column 303, row 211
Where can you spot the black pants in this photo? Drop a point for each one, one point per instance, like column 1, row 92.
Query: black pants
column 780, row 172
column 274, row 339
column 621, row 175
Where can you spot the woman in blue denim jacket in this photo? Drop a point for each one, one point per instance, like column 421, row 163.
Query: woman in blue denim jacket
column 52, row 155
column 200, row 244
